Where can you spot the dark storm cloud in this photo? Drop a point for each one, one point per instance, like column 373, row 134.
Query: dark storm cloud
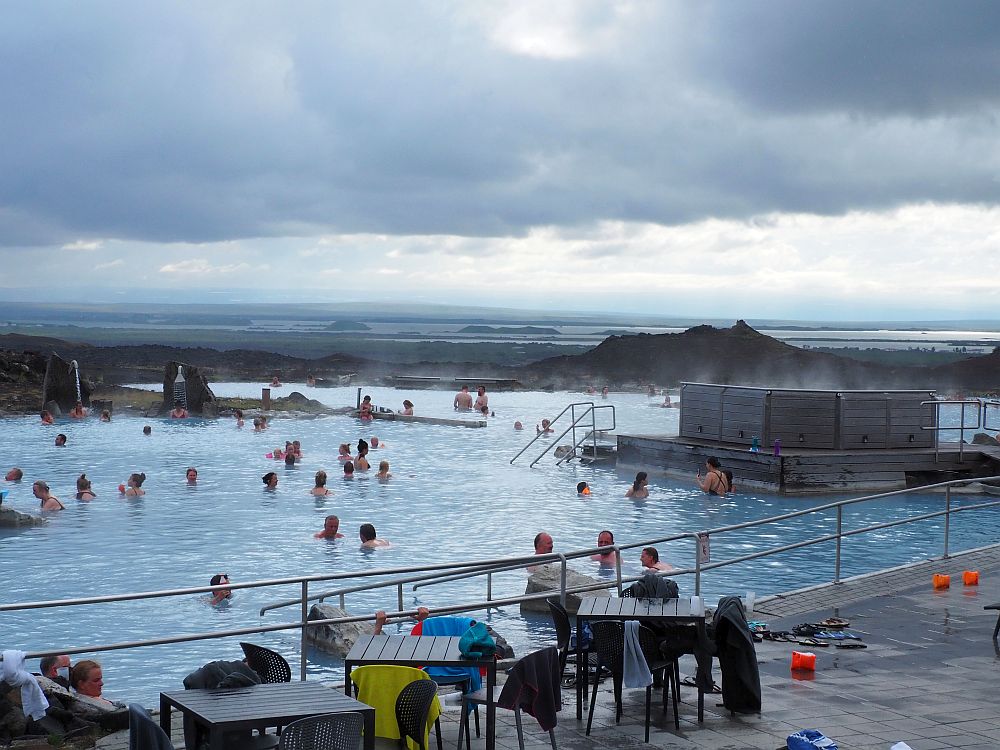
column 189, row 122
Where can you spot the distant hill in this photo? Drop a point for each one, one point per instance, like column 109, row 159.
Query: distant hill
column 347, row 325
column 616, row 332
column 738, row 355
column 523, row 330
column 18, row 342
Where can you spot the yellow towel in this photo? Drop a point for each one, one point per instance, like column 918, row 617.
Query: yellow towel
column 379, row 686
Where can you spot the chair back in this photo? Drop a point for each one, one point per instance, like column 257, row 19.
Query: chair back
column 326, row 732
column 413, row 706
column 609, row 642
column 649, row 643
column 270, row 665
column 560, row 618
column 143, row 732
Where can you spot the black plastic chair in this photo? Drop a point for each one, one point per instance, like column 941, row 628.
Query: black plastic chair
column 564, row 633
column 413, row 706
column 666, row 668
column 143, row 732
column 609, row 640
column 269, row 665
column 326, row 732
column 535, row 661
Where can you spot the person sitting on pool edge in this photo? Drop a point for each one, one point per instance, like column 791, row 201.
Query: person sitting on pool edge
column 650, row 559
column 55, row 668
column 179, row 411
column 369, row 539
column 331, row 529
column 47, row 501
column 87, row 680
column 222, row 594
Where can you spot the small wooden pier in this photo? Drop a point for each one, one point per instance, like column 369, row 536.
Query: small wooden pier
column 809, row 441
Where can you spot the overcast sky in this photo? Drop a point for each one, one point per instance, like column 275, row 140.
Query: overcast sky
column 751, row 159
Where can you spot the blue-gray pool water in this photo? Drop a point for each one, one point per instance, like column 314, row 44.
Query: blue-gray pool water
column 453, row 496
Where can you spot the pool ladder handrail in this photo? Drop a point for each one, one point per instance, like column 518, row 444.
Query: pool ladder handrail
column 576, row 422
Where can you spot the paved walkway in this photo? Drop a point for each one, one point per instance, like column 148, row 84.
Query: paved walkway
column 930, row 675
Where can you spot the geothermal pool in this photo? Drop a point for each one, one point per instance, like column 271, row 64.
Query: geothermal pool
column 453, row 496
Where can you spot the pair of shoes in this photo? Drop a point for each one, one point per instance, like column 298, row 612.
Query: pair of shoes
column 779, row 636
column 805, row 629
column 812, row 642
column 833, row 622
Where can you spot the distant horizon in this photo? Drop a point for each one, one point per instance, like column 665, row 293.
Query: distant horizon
column 218, row 299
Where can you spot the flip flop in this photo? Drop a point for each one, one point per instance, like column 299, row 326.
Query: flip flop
column 812, row 642
column 852, row 644
column 832, row 636
column 690, row 682
column 833, row 622
column 805, row 629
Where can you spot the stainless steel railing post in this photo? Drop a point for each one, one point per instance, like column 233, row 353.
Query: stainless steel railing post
column 697, row 565
column 840, row 529
column 947, row 519
column 489, row 587
column 399, row 596
column 302, row 634
column 343, row 602
column 562, row 580
column 618, row 569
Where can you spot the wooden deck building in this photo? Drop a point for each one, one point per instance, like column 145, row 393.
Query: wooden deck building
column 809, row 440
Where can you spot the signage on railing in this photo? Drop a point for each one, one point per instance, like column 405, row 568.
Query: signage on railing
column 704, row 548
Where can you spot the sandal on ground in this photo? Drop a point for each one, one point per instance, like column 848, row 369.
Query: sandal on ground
column 812, row 642
column 691, row 682
column 851, row 644
column 805, row 629
column 833, row 622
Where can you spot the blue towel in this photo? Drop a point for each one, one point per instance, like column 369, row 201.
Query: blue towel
column 452, row 626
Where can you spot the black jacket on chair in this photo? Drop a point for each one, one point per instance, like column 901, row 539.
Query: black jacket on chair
column 737, row 657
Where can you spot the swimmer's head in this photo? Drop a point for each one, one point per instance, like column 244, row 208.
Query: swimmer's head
column 270, row 479
column 60, row 439
column 374, row 442
column 383, row 466
column 147, row 430
column 348, row 468
column 192, row 474
column 82, row 483
column 367, row 532
column 136, row 480
column 14, row 475
column 367, row 400
column 713, row 461
column 518, row 426
column 321, row 478
column 582, row 488
column 605, row 539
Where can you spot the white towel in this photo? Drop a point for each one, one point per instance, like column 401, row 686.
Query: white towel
column 33, row 702
column 636, row 671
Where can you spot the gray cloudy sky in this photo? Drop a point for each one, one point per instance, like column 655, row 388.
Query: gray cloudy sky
column 784, row 158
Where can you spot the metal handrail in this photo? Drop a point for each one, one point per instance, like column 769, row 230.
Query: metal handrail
column 464, row 569
column 575, row 422
column 986, row 405
column 539, row 435
column 962, row 427
column 592, row 435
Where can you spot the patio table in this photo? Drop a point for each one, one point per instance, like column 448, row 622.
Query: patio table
column 423, row 651
column 259, row 706
column 593, row 608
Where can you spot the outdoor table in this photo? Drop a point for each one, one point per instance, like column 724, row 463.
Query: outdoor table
column 423, row 651
column 592, row 608
column 269, row 705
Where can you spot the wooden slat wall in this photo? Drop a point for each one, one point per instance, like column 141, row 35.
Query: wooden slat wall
column 803, row 419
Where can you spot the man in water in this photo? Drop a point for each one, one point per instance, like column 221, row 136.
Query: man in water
column 331, row 529
column 482, row 400
column 650, row 559
column 348, row 470
column 78, row 412
column 369, row 538
column 60, row 440
column 543, row 543
column 192, row 475
column 14, row 475
column 147, row 430
column 463, row 399
column 56, row 668
column 179, row 411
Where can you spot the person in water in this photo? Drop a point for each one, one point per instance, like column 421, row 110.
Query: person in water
column 383, row 471
column 543, row 429
column 222, row 594
column 344, row 453
column 463, row 400
column 605, row 539
column 83, row 488
column 47, row 501
column 582, row 488
column 47, row 417
column 365, row 412
column 361, row 462
column 14, row 475
column 78, row 412
column 270, row 481
column 191, row 475
column 147, row 430
column 105, row 416
column 375, row 444
column 369, row 539
column 407, row 410
column 320, row 489
column 275, row 383
column 239, row 417
column 714, row 482
column 482, row 400
column 134, row 488
column 543, row 543
column 638, row 490
column 650, row 559
column 518, row 425
column 331, row 529
column 60, row 440
column 348, row 470
column 179, row 411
